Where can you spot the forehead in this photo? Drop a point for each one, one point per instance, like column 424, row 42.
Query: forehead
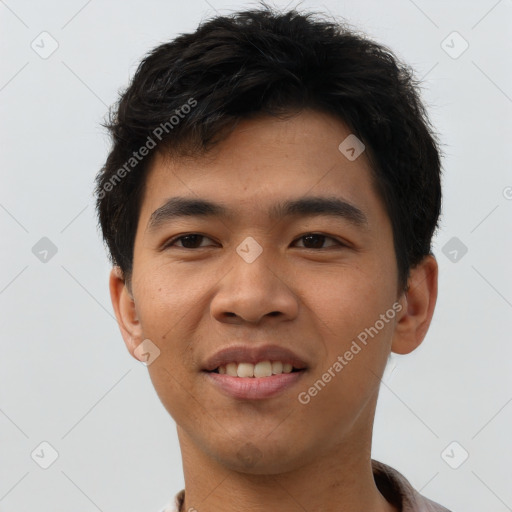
column 263, row 162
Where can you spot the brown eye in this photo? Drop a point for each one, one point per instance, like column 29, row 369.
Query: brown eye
column 316, row 241
column 189, row 241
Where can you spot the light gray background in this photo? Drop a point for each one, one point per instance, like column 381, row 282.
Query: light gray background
column 65, row 375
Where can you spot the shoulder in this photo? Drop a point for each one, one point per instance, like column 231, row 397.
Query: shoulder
column 398, row 491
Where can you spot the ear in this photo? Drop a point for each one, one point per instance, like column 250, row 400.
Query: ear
column 124, row 308
column 418, row 303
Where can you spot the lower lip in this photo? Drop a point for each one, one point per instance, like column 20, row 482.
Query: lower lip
column 254, row 388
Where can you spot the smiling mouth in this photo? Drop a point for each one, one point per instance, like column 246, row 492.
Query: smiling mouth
column 261, row 369
column 292, row 371
column 245, row 385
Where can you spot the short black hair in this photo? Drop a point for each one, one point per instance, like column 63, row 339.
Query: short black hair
column 188, row 94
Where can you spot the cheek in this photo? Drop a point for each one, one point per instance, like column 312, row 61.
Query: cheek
column 168, row 296
column 347, row 314
column 346, row 300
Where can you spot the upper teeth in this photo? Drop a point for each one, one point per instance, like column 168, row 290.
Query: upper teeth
column 261, row 369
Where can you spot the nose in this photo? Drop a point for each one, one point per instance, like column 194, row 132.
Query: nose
column 251, row 291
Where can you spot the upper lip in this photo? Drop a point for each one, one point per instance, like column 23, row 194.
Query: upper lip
column 253, row 354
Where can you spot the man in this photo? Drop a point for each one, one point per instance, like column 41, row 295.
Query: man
column 269, row 203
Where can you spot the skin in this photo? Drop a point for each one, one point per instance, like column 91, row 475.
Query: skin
column 277, row 453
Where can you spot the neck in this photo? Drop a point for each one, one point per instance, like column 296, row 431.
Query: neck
column 341, row 478
column 354, row 491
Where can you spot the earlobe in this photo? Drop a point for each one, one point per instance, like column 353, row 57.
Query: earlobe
column 418, row 307
column 124, row 308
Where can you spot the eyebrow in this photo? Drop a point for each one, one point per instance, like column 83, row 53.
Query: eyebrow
column 179, row 207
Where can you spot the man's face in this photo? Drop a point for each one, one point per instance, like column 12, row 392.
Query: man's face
column 255, row 279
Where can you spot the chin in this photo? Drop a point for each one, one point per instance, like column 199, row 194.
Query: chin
column 254, row 460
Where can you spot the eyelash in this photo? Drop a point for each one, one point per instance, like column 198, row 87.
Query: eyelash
column 171, row 242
